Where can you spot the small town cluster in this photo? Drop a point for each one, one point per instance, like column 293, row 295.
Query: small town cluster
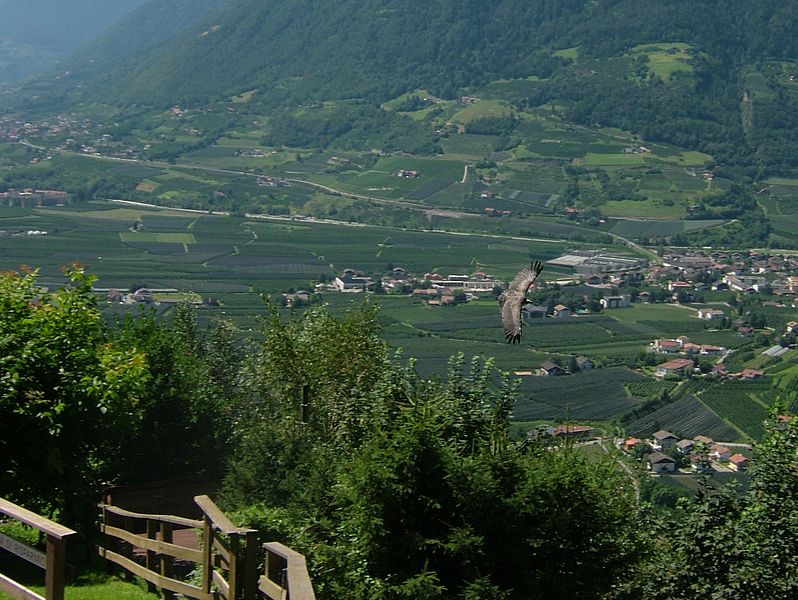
column 680, row 279
column 666, row 453
column 612, row 282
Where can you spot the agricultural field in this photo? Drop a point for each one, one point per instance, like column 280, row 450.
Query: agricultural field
column 686, row 417
column 648, row 388
column 665, row 59
column 597, row 394
column 234, row 260
column 743, row 404
column 528, row 167
column 659, row 228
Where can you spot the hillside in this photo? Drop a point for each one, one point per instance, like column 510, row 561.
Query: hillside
column 723, row 85
column 536, row 112
column 300, row 48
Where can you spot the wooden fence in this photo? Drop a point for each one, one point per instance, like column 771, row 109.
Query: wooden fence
column 53, row 561
column 227, row 554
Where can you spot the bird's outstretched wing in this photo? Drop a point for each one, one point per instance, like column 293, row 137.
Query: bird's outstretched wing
column 511, row 318
column 512, row 301
column 525, row 278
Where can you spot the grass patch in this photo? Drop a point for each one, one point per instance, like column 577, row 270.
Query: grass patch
column 688, row 158
column 483, row 108
column 159, row 238
column 148, row 186
column 614, row 160
column 568, row 53
column 665, row 59
column 243, row 98
column 92, row 587
column 643, row 209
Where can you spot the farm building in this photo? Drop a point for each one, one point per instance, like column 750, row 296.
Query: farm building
column 776, row 351
column 551, row 369
column 30, row 198
column 535, row 312
column 616, row 301
column 691, row 348
column 353, row 283
column 710, row 314
column 719, row 452
column 561, row 311
column 590, row 262
column 572, row 431
column 667, row 346
column 750, row 375
column 720, row 370
column 679, row 286
column 664, row 440
column 679, row 366
column 710, row 350
column 631, row 443
column 738, row 462
column 660, row 463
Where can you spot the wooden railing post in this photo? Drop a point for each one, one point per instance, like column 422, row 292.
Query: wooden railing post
column 207, row 555
column 152, row 556
column 250, row 566
column 128, row 548
column 233, row 572
column 286, row 574
column 54, row 580
column 167, row 562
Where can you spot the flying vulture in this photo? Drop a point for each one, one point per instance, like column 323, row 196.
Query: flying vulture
column 513, row 299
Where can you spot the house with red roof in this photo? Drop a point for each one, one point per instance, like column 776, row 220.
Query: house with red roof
column 679, row 367
column 738, row 462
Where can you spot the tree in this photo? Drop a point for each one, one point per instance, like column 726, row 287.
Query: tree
column 355, row 460
column 192, row 401
column 67, row 393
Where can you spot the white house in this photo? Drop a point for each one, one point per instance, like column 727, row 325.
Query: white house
column 710, row 314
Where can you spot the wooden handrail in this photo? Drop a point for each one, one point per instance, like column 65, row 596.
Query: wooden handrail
column 55, row 561
column 182, row 521
column 39, row 522
column 294, row 582
column 220, row 520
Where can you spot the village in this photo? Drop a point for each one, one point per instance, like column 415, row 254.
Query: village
column 607, row 282
column 664, row 453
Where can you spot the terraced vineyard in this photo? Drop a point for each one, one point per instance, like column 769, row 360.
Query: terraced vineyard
column 686, row 417
column 743, row 403
column 598, row 394
column 648, row 389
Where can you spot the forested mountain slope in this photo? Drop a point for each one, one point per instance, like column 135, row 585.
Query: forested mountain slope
column 380, row 46
column 142, row 30
column 723, row 80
